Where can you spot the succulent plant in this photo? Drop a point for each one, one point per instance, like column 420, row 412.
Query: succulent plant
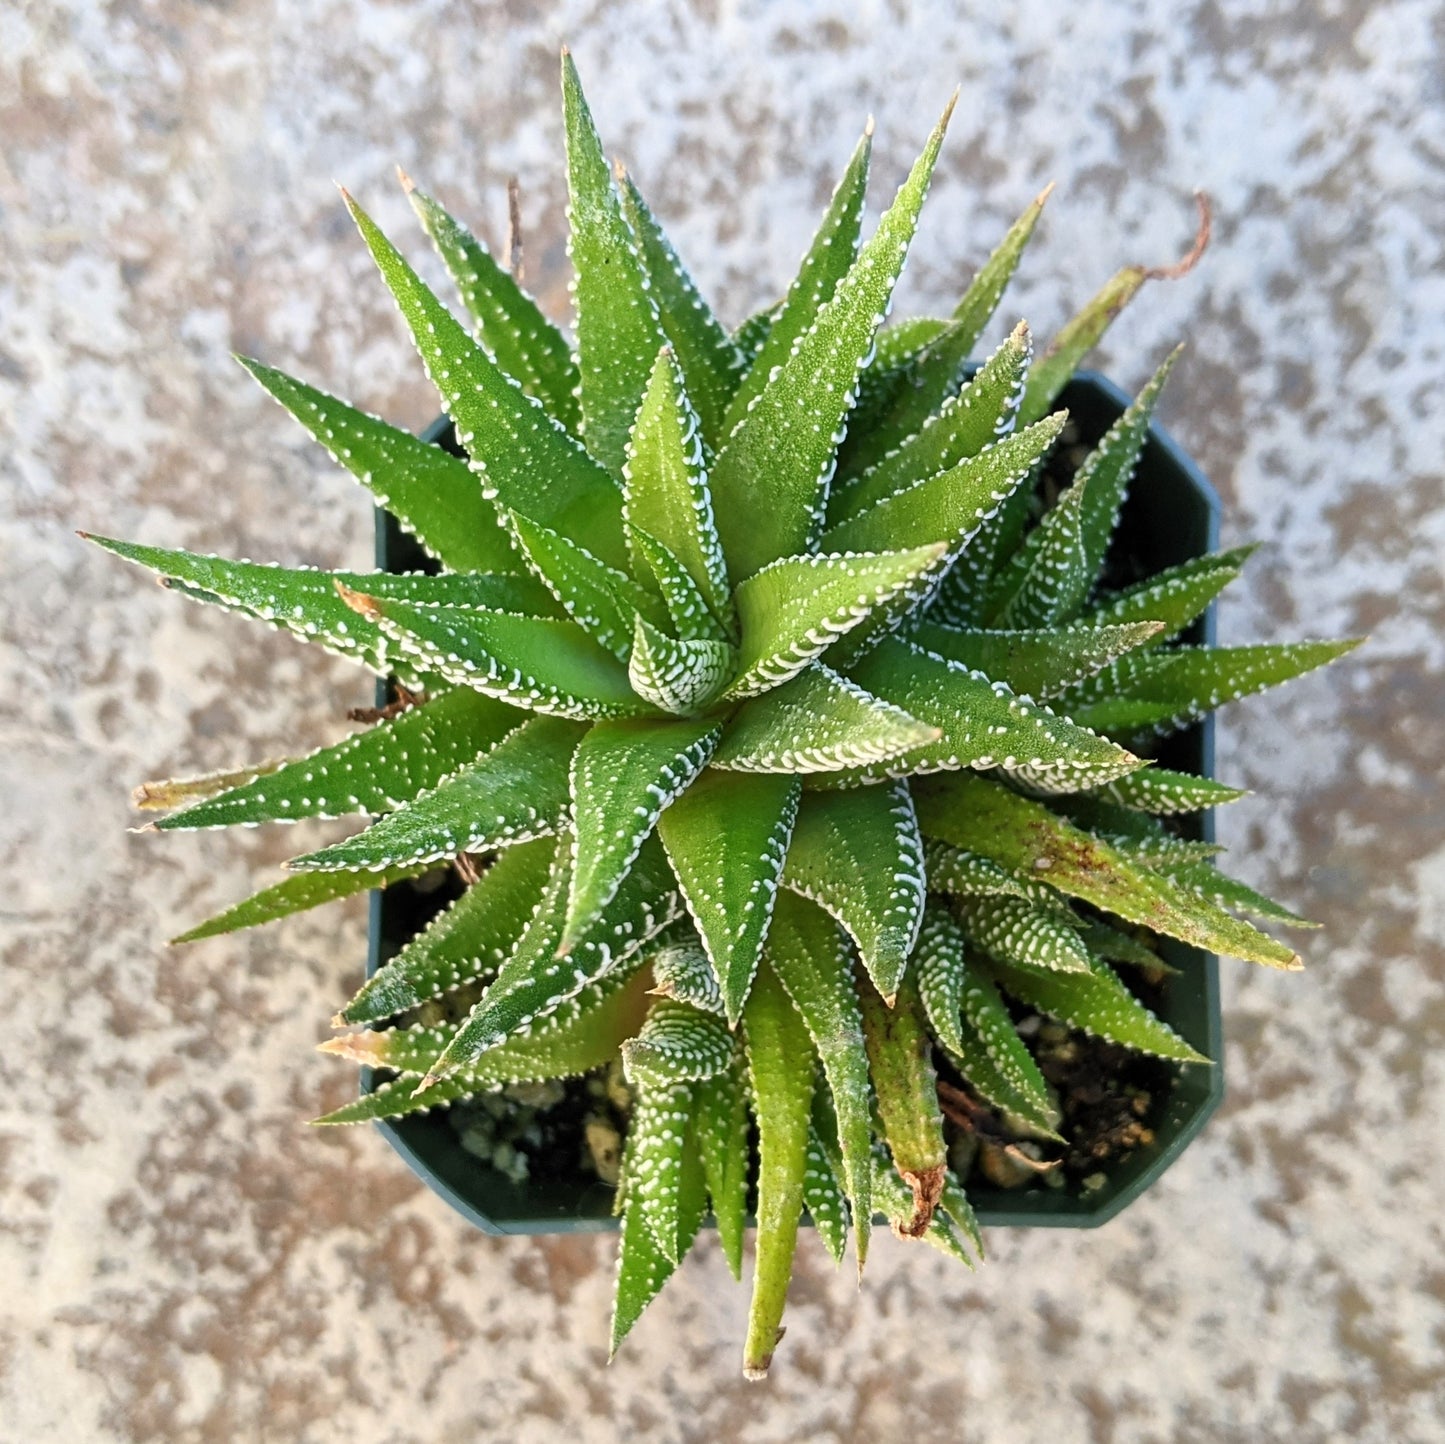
column 781, row 712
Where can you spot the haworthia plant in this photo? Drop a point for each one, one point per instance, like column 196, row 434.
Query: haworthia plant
column 792, row 736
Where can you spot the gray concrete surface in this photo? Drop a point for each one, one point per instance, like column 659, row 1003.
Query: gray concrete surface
column 180, row 1258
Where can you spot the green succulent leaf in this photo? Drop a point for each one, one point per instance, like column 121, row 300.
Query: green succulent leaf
column 823, row 1198
column 983, row 724
column 397, row 1098
column 604, row 602
column 726, row 838
column 1135, row 832
column 1050, row 577
column 811, row 960
column 943, row 1236
column 994, row 1060
column 950, row 506
column 535, row 980
column 911, row 399
column 926, row 382
column 721, row 1120
column 580, row 1022
column 794, row 609
column 961, row 599
column 683, row 973
column 956, row 1205
column 692, row 618
column 1170, row 689
column 619, row 332
column 710, row 359
column 896, row 347
column 305, row 602
column 668, row 499
column 985, row 291
column 1174, row 597
column 817, row 722
column 900, row 342
column 1046, row 581
column 938, row 969
column 858, row 855
column 658, row 1134
column 433, row 494
column 966, row 874
column 1107, row 471
column 789, row 433
column 901, row 1059
column 642, row 1267
column 513, row 793
column 623, row 775
column 1040, row 663
column 750, row 336
column 371, row 772
column 1138, row 833
column 966, row 425
column 677, row 676
column 538, row 663
column 579, row 1037
column 780, row 1064
column 1026, row 837
column 1114, row 945
column 509, row 323
column 468, row 941
column 527, row 461
column 1083, row 332
column 1097, row 1003
column 677, row 1044
column 1023, row 934
column 294, row 895
column 1166, row 793
column 1227, row 892
column 779, row 328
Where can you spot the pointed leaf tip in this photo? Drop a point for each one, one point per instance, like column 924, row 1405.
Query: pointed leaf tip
column 794, row 421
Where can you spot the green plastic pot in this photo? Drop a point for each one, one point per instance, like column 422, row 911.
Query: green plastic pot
column 1172, row 514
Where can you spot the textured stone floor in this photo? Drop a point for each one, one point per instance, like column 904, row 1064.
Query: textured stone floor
column 180, row 1258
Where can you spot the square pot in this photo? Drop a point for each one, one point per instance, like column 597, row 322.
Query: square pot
column 1171, row 515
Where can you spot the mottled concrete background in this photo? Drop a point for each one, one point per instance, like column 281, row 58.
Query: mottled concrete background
column 180, row 1258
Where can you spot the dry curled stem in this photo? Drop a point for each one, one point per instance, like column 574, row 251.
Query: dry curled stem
column 1183, row 266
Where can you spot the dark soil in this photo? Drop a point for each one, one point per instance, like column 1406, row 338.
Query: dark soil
column 1108, row 1096
column 1107, row 1093
column 540, row 1130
